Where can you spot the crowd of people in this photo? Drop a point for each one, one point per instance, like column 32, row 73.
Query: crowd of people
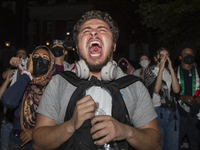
column 51, row 104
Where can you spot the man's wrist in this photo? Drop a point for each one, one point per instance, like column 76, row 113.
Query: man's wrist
column 70, row 127
column 130, row 132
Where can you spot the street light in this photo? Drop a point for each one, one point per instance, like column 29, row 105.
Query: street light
column 47, row 43
column 7, row 43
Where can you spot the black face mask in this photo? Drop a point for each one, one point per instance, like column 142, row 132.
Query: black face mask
column 57, row 51
column 40, row 66
column 188, row 59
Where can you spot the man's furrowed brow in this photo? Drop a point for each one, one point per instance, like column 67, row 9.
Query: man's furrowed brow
column 103, row 27
column 86, row 28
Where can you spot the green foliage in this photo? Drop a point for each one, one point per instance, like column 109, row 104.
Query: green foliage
column 176, row 21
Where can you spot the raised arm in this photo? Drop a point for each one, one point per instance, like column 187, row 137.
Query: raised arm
column 159, row 76
column 175, row 83
column 12, row 96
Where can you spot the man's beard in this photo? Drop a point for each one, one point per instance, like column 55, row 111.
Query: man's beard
column 97, row 68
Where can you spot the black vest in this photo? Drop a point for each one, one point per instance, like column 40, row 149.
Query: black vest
column 82, row 139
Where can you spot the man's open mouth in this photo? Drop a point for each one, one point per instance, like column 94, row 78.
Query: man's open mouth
column 95, row 49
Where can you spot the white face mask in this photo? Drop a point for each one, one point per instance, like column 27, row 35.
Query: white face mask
column 144, row 63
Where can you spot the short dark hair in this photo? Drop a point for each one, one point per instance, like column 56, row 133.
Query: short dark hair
column 183, row 46
column 22, row 49
column 95, row 14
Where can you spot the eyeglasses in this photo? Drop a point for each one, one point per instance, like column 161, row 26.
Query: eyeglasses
column 17, row 132
column 60, row 41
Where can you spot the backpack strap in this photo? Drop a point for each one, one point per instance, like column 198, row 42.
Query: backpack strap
column 77, row 141
column 70, row 77
column 125, row 81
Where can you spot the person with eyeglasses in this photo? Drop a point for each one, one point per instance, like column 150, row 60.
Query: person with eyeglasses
column 164, row 88
column 25, row 94
column 59, row 50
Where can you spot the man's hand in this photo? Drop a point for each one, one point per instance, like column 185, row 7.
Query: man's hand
column 187, row 99
column 108, row 129
column 26, row 136
column 84, row 110
column 15, row 61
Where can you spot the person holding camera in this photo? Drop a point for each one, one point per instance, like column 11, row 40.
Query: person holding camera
column 164, row 87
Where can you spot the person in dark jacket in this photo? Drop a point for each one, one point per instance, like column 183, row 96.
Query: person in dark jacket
column 25, row 94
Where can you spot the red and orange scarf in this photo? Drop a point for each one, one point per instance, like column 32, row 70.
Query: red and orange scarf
column 32, row 94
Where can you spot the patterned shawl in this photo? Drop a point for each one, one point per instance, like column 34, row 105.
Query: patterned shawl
column 166, row 100
column 33, row 93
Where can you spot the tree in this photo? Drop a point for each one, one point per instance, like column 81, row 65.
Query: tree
column 175, row 21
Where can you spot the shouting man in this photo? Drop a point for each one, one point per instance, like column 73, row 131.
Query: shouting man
column 67, row 121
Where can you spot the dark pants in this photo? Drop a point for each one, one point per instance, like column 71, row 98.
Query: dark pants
column 192, row 130
column 14, row 146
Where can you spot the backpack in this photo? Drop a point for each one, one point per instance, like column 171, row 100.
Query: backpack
column 82, row 139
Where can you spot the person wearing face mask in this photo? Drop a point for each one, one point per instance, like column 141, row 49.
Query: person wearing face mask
column 144, row 62
column 25, row 94
column 189, row 99
column 163, row 87
column 126, row 67
column 59, row 50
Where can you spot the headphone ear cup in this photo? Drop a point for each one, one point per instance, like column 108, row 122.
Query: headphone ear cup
column 109, row 71
column 82, row 70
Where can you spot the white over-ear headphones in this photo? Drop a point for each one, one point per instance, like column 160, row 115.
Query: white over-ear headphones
column 108, row 72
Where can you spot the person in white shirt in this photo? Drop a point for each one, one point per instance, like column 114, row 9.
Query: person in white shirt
column 163, row 87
